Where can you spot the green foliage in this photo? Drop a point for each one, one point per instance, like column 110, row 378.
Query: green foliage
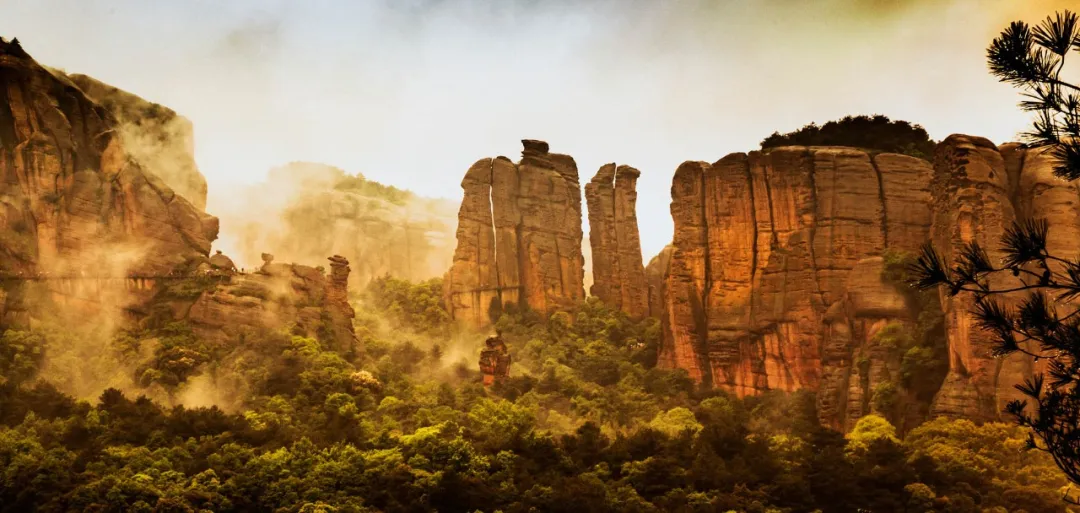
column 924, row 360
column 190, row 287
column 585, row 423
column 885, row 397
column 419, row 307
column 21, row 356
column 364, row 187
column 869, row 132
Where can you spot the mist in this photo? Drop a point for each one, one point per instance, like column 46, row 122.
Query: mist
column 410, row 93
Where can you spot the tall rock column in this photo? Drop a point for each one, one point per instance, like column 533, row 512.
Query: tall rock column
column 618, row 271
column 472, row 282
column 684, row 323
column 519, row 237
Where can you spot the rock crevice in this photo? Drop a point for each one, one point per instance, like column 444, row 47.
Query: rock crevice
column 519, row 238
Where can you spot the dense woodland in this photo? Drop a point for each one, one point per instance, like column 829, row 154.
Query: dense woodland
column 875, row 133
column 400, row 422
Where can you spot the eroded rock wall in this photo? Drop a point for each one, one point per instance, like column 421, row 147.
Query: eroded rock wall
column 155, row 136
column 617, row 269
column 518, row 238
column 73, row 199
column 774, row 279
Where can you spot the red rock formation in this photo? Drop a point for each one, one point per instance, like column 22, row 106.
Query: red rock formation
column 156, row 137
column 71, row 198
column 618, row 273
column 774, row 274
column 519, row 237
column 278, row 296
column 764, row 245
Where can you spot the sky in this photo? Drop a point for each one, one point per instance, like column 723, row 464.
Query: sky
column 412, row 92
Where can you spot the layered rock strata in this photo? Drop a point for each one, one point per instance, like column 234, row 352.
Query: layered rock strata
column 518, row 238
column 617, row 270
column 773, row 279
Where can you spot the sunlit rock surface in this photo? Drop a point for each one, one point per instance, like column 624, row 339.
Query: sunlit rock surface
column 518, row 238
column 772, row 281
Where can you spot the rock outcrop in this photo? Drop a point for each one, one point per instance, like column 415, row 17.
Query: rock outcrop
column 73, row 197
column 159, row 139
column 617, row 270
column 773, row 278
column 278, row 296
column 518, row 238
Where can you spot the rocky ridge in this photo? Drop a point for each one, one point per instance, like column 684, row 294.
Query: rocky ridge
column 73, row 198
column 92, row 223
column 304, row 211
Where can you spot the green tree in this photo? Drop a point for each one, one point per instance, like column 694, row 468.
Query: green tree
column 1032, row 58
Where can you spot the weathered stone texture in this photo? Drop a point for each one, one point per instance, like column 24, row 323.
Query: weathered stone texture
column 519, row 237
column 156, row 137
column 774, row 277
column 757, row 288
column 277, row 296
column 618, row 273
column 72, row 197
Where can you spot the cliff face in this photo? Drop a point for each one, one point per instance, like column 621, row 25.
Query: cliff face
column 305, row 211
column 518, row 237
column 73, row 198
column 774, row 278
column 92, row 230
column 160, row 140
column 617, row 270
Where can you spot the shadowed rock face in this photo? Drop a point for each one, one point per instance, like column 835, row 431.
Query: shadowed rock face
column 72, row 198
column 773, row 279
column 156, row 137
column 617, row 270
column 518, row 238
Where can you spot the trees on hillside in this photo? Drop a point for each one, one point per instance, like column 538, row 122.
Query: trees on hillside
column 1046, row 324
column 876, row 132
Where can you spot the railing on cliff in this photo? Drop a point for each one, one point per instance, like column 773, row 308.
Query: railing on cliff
column 46, row 276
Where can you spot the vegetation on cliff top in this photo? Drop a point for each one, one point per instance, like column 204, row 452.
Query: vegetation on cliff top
column 876, row 132
column 587, row 423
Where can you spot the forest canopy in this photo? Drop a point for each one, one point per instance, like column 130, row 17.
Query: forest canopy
column 875, row 132
column 586, row 422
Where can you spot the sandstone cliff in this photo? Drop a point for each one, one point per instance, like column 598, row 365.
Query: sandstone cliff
column 518, row 237
column 775, row 273
column 305, row 211
column 73, row 200
column 156, row 137
column 617, row 271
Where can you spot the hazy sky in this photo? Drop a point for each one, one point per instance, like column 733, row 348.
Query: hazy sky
column 411, row 92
